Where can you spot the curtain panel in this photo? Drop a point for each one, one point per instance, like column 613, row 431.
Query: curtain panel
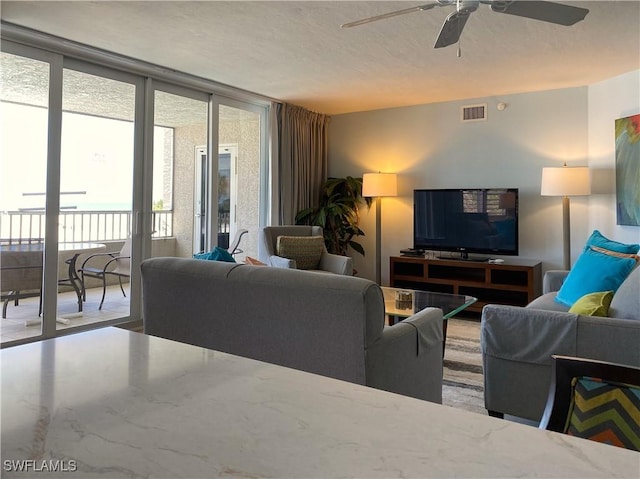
column 302, row 157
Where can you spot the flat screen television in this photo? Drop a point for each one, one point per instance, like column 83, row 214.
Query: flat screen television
column 481, row 221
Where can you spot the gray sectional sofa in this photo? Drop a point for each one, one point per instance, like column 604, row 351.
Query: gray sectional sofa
column 328, row 324
column 517, row 343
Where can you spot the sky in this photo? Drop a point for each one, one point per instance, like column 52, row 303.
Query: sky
column 96, row 160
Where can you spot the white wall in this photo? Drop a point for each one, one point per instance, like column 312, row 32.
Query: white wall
column 609, row 100
column 428, row 146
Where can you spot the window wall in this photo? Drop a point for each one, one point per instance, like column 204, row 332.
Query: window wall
column 95, row 156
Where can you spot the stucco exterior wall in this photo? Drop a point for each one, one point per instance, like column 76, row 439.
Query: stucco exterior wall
column 245, row 133
column 242, row 133
column 186, row 139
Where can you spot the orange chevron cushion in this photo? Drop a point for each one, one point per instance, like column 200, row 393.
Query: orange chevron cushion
column 606, row 412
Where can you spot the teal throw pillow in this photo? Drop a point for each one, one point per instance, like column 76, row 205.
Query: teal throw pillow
column 221, row 254
column 594, row 271
column 598, row 240
column 216, row 254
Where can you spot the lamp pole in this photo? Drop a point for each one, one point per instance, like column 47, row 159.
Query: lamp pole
column 377, row 185
column 379, row 239
column 566, row 232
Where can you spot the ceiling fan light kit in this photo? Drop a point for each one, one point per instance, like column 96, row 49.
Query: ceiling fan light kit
column 557, row 13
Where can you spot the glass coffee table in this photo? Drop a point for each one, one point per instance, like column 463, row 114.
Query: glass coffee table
column 400, row 303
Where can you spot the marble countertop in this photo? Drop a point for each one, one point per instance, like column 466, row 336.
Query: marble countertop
column 113, row 403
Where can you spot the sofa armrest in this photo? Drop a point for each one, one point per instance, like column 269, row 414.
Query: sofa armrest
column 527, row 335
column 517, row 344
column 553, row 279
column 280, row 262
column 336, row 264
column 407, row 358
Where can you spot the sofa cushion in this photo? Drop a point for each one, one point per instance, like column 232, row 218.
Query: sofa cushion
column 599, row 241
column 306, row 251
column 626, row 301
column 593, row 304
column 594, row 271
column 548, row 302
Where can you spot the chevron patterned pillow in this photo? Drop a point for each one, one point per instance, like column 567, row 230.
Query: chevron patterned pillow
column 605, row 411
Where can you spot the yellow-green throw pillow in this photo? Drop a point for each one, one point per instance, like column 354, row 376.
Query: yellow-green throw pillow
column 593, row 304
column 305, row 250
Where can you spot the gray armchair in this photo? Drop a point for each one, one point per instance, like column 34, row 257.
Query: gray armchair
column 267, row 247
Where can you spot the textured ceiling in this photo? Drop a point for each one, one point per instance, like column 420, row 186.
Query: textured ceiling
column 296, row 52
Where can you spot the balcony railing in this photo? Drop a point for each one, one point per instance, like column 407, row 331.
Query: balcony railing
column 79, row 226
column 86, row 226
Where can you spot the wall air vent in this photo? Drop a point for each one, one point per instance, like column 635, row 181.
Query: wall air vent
column 473, row 112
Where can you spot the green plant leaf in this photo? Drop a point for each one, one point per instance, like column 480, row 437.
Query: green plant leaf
column 357, row 247
column 337, row 213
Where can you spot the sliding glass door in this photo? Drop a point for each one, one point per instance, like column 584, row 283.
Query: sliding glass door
column 241, row 174
column 180, row 130
column 24, row 108
column 96, row 195
column 69, row 136
column 100, row 168
column 210, row 198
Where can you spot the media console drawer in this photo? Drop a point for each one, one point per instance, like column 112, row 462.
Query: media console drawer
column 516, row 282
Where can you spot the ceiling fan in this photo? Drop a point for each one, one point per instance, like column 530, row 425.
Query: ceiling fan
column 452, row 28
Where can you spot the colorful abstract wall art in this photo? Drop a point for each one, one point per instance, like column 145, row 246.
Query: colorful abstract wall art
column 628, row 170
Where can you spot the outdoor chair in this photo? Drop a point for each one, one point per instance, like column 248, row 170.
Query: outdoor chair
column 118, row 263
column 20, row 276
column 234, row 247
column 594, row 400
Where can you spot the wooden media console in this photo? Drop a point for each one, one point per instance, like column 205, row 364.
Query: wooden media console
column 515, row 282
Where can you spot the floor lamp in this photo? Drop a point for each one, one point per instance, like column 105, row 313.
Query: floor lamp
column 566, row 181
column 378, row 185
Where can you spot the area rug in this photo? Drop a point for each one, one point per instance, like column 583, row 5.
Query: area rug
column 462, row 385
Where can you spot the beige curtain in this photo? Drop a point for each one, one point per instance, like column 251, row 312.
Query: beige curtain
column 302, row 156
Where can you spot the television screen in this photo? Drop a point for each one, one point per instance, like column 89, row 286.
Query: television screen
column 483, row 221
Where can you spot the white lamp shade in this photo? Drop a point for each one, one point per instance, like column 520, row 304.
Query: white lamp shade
column 379, row 184
column 565, row 181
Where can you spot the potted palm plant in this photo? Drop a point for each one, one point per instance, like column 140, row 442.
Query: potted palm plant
column 338, row 214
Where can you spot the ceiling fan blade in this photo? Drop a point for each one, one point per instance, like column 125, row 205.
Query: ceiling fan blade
column 451, row 29
column 420, row 8
column 539, row 10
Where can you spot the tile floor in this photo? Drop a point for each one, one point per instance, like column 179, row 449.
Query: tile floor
column 22, row 321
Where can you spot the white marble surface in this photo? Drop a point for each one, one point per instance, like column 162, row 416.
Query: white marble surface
column 111, row 403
